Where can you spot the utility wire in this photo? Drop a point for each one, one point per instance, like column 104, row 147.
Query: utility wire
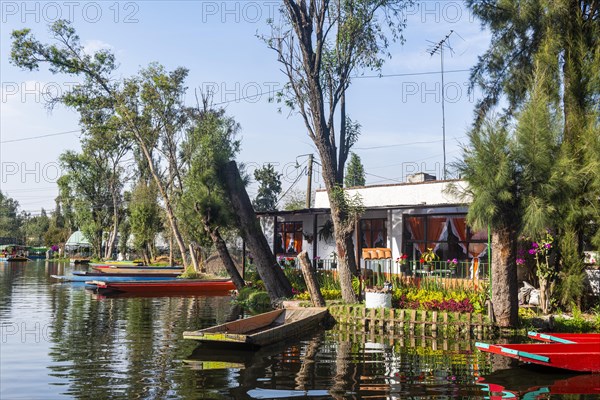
column 38, row 137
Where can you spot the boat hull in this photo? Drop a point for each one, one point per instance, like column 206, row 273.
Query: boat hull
column 582, row 357
column 100, row 276
column 118, row 278
column 566, row 338
column 172, row 286
column 263, row 329
column 137, row 270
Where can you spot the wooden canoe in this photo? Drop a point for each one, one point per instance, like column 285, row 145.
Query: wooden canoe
column 566, row 338
column 172, row 286
column 583, row 357
column 262, row 329
column 137, row 270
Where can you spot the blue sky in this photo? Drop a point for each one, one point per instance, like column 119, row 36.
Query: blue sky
column 400, row 113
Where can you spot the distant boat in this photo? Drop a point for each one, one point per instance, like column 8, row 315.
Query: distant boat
column 583, row 357
column 263, row 329
column 13, row 253
column 566, row 338
column 172, row 286
column 112, row 278
column 79, row 260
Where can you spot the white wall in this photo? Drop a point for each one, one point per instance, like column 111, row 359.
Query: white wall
column 405, row 194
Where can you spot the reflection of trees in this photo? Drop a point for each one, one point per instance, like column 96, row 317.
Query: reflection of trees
column 128, row 347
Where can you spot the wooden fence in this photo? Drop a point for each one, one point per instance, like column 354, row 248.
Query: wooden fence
column 400, row 322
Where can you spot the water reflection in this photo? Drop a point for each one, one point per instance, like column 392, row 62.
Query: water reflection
column 61, row 341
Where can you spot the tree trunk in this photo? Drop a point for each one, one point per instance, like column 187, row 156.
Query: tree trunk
column 345, row 251
column 276, row 283
column 311, row 280
column 110, row 244
column 226, row 259
column 544, row 287
column 193, row 258
column 504, row 279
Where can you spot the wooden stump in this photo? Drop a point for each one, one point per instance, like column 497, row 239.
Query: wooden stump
column 311, row 281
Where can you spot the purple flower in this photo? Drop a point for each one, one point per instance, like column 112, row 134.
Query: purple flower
column 534, row 245
column 548, row 245
column 520, row 261
column 532, row 251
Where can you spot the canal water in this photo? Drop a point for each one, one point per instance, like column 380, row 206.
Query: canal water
column 59, row 340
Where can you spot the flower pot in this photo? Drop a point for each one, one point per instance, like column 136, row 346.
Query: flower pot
column 378, row 300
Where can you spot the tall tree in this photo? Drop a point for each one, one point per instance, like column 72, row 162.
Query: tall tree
column 144, row 218
column 489, row 167
column 355, row 173
column 209, row 145
column 10, row 219
column 35, row 228
column 269, row 188
column 86, row 176
column 320, row 44
column 148, row 106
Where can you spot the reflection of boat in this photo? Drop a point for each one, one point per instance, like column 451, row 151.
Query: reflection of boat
column 128, row 270
column 175, row 286
column 565, row 337
column 529, row 384
column 262, row 329
column 111, row 278
column 584, row 357
column 118, row 263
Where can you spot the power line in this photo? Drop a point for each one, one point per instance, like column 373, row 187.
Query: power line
column 404, row 144
column 410, row 74
column 39, row 137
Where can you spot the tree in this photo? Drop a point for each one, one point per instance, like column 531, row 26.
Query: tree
column 148, row 106
column 355, row 173
column 209, row 146
column 489, row 167
column 294, row 200
column 35, row 228
column 144, row 218
column 86, row 176
column 320, row 44
column 269, row 189
column 10, row 219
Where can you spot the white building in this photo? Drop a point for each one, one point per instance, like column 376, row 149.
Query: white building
column 407, row 218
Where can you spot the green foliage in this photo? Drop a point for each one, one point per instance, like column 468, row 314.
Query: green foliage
column 259, row 301
column 144, row 215
column 296, row 279
column 269, row 188
column 571, row 282
column 294, row 200
column 10, row 220
column 355, row 172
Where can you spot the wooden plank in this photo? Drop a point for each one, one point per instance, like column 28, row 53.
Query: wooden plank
column 434, row 318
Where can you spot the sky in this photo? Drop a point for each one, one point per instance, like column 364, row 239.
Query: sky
column 400, row 112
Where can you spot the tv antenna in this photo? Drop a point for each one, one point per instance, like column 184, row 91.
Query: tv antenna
column 439, row 47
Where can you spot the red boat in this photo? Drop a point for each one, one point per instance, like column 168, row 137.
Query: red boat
column 583, row 357
column 566, row 338
column 179, row 286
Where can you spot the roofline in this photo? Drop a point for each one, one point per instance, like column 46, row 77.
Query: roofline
column 399, row 184
column 313, row 211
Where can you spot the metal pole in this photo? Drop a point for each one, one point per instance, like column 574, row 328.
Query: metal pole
column 443, row 112
column 309, row 182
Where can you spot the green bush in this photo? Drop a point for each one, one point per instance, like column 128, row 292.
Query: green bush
column 259, row 301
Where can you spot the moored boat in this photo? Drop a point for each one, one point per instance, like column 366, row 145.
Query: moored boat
column 100, row 275
column 137, row 270
column 566, row 338
column 172, row 286
column 112, row 278
column 583, row 357
column 263, row 329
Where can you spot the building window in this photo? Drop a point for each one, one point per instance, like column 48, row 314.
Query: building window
column 448, row 235
column 373, row 233
column 289, row 238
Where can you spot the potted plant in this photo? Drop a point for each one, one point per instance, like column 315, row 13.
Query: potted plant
column 427, row 258
column 333, row 260
column 401, row 262
column 452, row 265
column 319, row 262
column 379, row 297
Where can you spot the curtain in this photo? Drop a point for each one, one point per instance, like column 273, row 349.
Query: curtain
column 459, row 228
column 416, row 226
column 436, row 228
